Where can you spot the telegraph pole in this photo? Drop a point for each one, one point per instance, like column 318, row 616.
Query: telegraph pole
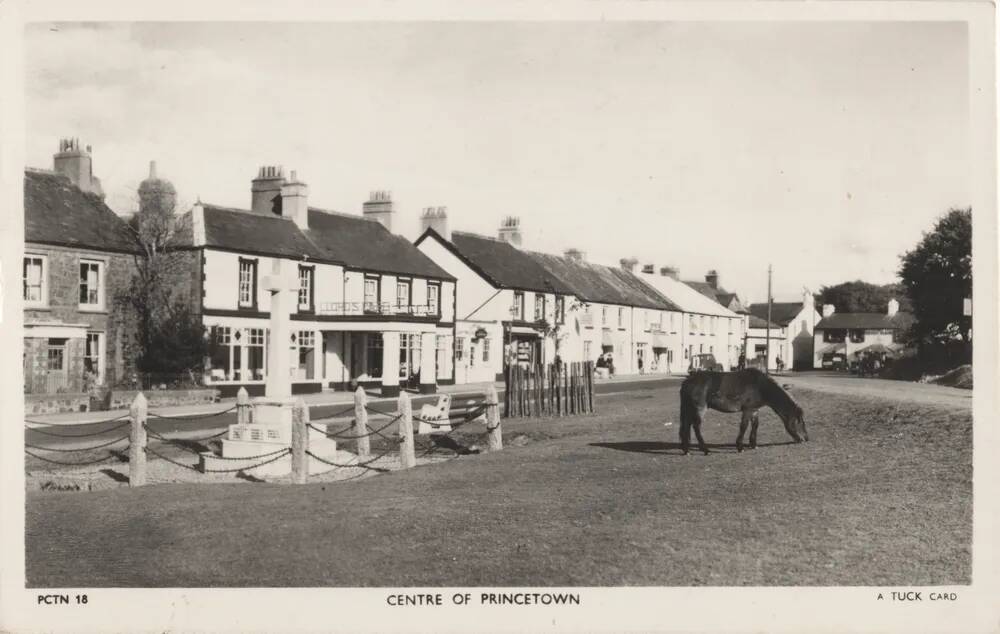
column 767, row 339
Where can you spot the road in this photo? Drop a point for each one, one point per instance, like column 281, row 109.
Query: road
column 91, row 434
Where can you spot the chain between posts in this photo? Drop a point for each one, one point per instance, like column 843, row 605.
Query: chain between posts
column 101, row 446
column 280, row 454
column 86, row 435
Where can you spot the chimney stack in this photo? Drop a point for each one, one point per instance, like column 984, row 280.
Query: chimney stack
column 669, row 271
column 295, row 202
column 828, row 309
column 648, row 269
column 628, row 264
column 712, row 277
column 379, row 208
column 510, row 231
column 77, row 165
column 575, row 254
column 265, row 190
column 435, row 218
column 893, row 307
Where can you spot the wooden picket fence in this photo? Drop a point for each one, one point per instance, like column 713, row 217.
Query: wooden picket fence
column 544, row 390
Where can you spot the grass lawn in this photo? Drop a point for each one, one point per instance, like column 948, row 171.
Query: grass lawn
column 882, row 495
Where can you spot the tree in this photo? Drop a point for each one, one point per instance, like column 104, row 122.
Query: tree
column 170, row 341
column 937, row 276
column 862, row 297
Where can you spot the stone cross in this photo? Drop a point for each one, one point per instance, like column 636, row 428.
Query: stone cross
column 283, row 286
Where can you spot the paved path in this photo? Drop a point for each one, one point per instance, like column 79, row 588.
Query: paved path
column 881, row 388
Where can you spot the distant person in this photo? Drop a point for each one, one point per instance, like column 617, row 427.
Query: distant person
column 741, row 363
column 602, row 362
column 611, row 365
column 640, row 365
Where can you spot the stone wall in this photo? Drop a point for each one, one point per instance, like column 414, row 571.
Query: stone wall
column 55, row 403
column 122, row 399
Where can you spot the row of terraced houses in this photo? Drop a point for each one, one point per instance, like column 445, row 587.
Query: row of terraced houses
column 373, row 308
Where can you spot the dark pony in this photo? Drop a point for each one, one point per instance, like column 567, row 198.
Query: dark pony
column 743, row 391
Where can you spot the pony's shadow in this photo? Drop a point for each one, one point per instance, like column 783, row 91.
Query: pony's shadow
column 674, row 448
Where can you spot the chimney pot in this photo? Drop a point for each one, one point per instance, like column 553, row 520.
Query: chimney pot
column 669, row 271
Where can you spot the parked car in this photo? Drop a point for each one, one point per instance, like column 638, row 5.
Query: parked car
column 835, row 361
column 704, row 363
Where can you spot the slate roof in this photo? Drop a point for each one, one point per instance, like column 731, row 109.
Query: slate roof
column 331, row 237
column 367, row 245
column 58, row 212
column 602, row 284
column 502, row 264
column 781, row 312
column 860, row 320
column 687, row 298
column 761, row 322
column 252, row 232
column 718, row 294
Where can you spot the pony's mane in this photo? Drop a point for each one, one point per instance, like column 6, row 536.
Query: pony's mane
column 782, row 401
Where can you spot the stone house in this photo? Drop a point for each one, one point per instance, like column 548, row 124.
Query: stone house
column 78, row 255
column 372, row 309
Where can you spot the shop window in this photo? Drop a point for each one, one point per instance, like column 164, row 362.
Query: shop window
column 306, row 361
column 373, row 355
column 486, row 350
column 409, row 354
column 255, row 354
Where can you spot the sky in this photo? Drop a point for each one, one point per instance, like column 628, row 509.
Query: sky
column 822, row 149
